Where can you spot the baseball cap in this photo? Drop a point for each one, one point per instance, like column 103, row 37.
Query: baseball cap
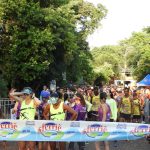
column 45, row 94
column 55, row 94
column 27, row 90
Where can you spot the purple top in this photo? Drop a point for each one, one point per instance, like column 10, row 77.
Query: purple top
column 100, row 114
column 81, row 110
column 41, row 108
column 69, row 114
column 18, row 110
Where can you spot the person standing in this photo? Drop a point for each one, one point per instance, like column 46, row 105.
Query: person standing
column 27, row 111
column 136, row 109
column 43, row 91
column 104, row 114
column 95, row 105
column 113, row 106
column 80, row 108
column 125, row 107
column 56, row 111
column 45, row 97
column 147, row 107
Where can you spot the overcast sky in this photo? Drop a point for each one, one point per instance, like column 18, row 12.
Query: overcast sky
column 123, row 18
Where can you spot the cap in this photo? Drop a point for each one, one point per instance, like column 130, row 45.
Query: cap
column 27, row 91
column 45, row 94
column 55, row 94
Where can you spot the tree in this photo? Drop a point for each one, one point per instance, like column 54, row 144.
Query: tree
column 3, row 87
column 107, row 61
column 42, row 39
column 138, row 56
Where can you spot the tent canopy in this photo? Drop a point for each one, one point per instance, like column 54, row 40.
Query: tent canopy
column 145, row 81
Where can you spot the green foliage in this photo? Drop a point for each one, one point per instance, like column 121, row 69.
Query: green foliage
column 138, row 56
column 106, row 61
column 131, row 54
column 84, row 15
column 42, row 39
column 3, row 87
column 30, row 39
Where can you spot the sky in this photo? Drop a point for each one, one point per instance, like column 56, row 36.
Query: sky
column 123, row 18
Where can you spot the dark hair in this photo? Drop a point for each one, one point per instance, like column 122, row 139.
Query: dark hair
column 96, row 91
column 134, row 94
column 111, row 94
column 65, row 96
column 81, row 98
column 103, row 95
column 126, row 89
column 60, row 95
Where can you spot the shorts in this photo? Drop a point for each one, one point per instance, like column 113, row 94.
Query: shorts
column 125, row 116
column 93, row 115
column 136, row 117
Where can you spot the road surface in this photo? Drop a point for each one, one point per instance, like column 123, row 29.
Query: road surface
column 141, row 144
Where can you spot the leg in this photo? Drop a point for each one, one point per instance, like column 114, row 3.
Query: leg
column 97, row 146
column 5, row 145
column 62, row 145
column 81, row 145
column 71, row 146
column 31, row 145
column 106, row 145
column 46, row 146
column 53, row 145
column 22, row 145
column 40, row 145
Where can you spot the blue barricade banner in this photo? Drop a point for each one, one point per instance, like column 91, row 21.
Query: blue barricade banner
column 46, row 130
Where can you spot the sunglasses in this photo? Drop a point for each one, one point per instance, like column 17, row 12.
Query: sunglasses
column 25, row 94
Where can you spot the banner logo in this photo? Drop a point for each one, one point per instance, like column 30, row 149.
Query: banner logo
column 51, row 130
column 96, row 130
column 7, row 128
column 141, row 130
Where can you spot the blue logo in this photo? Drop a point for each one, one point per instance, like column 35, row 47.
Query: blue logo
column 75, row 124
column 121, row 126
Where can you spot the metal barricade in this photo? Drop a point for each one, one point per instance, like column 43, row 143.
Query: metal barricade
column 5, row 106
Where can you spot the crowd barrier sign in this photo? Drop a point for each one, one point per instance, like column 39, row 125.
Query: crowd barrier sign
column 47, row 130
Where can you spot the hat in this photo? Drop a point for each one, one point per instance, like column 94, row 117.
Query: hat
column 27, row 91
column 45, row 94
column 55, row 95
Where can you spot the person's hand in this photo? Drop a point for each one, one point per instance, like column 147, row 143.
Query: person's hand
column 11, row 91
column 33, row 96
column 14, row 110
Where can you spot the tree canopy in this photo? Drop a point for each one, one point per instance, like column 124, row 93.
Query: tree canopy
column 41, row 39
column 107, row 61
column 130, row 54
column 138, row 56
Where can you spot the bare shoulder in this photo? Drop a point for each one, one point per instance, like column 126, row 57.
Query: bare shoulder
column 37, row 102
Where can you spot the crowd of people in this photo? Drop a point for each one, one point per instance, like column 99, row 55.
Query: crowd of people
column 85, row 103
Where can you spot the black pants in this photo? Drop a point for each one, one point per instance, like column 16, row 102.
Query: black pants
column 80, row 144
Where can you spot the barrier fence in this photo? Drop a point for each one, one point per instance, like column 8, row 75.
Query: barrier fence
column 5, row 106
column 46, row 130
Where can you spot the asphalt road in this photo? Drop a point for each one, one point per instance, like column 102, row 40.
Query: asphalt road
column 124, row 145
column 141, row 144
